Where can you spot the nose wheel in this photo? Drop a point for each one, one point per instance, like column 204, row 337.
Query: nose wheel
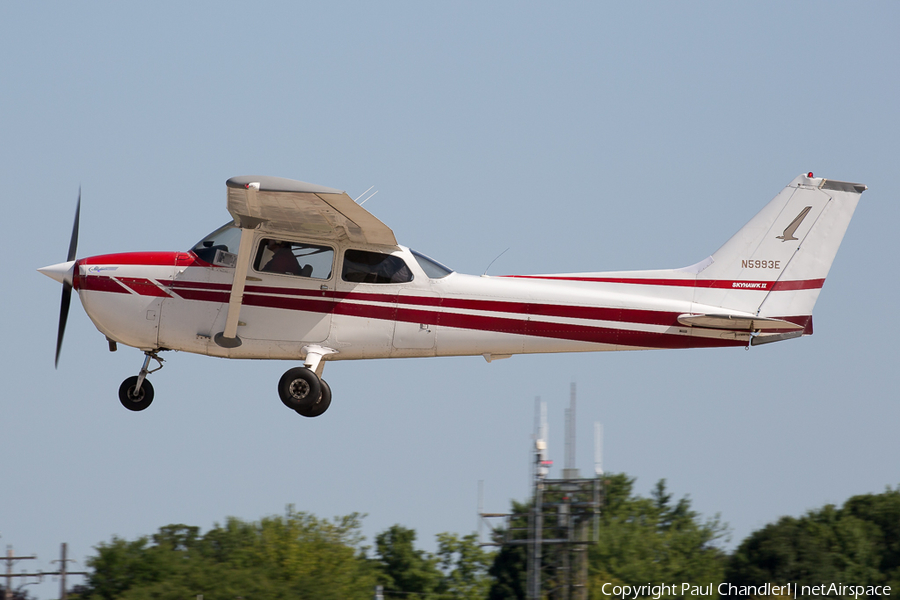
column 136, row 392
column 301, row 390
column 133, row 397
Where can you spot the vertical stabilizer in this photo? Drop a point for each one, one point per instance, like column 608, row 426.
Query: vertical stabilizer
column 776, row 264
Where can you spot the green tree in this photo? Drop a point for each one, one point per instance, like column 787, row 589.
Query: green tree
column 403, row 568
column 15, row 594
column 640, row 539
column 458, row 570
column 652, row 539
column 882, row 511
column 296, row 555
column 859, row 542
column 508, row 570
column 464, row 565
column 120, row 565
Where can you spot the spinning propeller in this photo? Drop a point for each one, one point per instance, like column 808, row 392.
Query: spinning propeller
column 65, row 274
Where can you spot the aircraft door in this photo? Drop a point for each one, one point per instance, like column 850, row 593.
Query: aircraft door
column 289, row 295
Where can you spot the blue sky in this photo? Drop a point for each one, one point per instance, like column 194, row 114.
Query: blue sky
column 583, row 137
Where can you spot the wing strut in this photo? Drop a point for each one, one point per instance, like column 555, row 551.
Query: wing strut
column 229, row 337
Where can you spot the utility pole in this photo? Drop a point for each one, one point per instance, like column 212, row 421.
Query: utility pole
column 63, row 572
column 10, row 561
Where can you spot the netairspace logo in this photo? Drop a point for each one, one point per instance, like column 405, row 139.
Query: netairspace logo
column 790, row 590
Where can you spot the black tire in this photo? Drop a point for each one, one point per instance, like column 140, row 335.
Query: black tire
column 321, row 406
column 299, row 388
column 135, row 402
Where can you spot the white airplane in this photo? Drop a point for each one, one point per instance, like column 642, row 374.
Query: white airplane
column 304, row 273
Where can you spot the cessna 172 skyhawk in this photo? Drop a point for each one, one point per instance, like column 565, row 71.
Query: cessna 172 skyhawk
column 304, row 273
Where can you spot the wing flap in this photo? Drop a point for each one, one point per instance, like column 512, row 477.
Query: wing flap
column 296, row 207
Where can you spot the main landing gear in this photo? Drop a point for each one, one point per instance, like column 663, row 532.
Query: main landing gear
column 303, row 391
column 136, row 392
column 300, row 389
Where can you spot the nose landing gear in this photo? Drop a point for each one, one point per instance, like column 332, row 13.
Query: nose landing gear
column 136, row 392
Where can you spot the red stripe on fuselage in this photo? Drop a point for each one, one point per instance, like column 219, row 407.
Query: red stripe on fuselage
column 809, row 284
column 201, row 292
column 803, row 284
column 101, row 283
column 347, row 303
column 392, row 307
column 144, row 287
column 401, row 308
column 649, row 317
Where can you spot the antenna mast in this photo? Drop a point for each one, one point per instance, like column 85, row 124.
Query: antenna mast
column 562, row 521
column 570, row 471
column 598, row 448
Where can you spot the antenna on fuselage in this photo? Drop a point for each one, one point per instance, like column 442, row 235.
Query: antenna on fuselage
column 363, row 194
column 492, row 262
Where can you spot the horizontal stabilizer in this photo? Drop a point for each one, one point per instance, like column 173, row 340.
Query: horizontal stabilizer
column 735, row 322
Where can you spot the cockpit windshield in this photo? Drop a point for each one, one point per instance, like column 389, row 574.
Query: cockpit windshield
column 220, row 248
column 432, row 268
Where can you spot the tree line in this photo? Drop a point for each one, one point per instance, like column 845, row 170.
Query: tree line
column 641, row 539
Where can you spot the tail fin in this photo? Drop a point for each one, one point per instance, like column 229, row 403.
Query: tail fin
column 776, row 264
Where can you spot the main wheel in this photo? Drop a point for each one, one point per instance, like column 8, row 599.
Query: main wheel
column 133, row 401
column 299, row 388
column 321, row 406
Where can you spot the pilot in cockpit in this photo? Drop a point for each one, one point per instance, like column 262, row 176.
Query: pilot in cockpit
column 283, row 259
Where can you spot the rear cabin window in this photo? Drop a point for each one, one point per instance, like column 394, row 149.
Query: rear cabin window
column 361, row 266
column 294, row 258
column 432, row 268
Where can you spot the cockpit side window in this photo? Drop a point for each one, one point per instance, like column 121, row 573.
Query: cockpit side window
column 294, row 258
column 361, row 266
column 220, row 248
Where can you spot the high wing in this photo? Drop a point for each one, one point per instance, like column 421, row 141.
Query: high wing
column 287, row 206
column 283, row 205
